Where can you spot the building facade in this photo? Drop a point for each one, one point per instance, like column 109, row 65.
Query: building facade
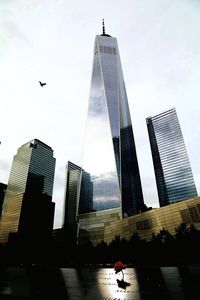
column 71, row 202
column 172, row 168
column 28, row 199
column 106, row 225
column 109, row 157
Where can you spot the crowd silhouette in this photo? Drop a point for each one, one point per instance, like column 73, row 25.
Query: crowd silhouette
column 163, row 249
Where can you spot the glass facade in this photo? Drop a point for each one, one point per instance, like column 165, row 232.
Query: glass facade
column 109, row 156
column 33, row 157
column 173, row 173
column 31, row 175
column 76, row 203
column 73, row 175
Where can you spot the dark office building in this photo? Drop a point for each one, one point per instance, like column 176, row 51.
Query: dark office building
column 71, row 202
column 3, row 188
column 37, row 212
column 76, row 203
column 172, row 168
column 109, row 154
column 28, row 210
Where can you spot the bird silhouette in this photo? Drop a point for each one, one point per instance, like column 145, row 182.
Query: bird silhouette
column 42, row 84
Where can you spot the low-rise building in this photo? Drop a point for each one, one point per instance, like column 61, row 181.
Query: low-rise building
column 106, row 225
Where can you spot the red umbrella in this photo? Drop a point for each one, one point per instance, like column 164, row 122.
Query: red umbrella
column 119, row 266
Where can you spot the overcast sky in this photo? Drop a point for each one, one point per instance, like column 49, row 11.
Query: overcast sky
column 52, row 41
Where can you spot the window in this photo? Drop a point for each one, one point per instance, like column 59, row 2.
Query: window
column 190, row 215
column 144, row 224
column 185, row 216
column 194, row 214
column 106, row 49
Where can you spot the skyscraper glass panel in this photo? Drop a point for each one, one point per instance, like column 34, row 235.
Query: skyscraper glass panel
column 71, row 203
column 32, row 171
column 172, row 168
column 33, row 157
column 109, row 157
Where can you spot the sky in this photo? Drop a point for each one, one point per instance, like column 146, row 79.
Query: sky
column 52, row 41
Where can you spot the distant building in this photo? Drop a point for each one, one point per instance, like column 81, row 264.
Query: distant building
column 28, row 209
column 76, row 203
column 3, row 188
column 71, row 202
column 109, row 156
column 172, row 168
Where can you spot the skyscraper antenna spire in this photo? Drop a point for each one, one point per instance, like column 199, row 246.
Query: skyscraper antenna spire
column 103, row 26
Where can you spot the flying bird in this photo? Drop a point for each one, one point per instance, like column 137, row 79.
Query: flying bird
column 42, row 84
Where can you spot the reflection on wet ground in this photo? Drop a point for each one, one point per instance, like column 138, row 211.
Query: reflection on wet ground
column 43, row 283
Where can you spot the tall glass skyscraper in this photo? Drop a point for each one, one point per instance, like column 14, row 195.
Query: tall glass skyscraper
column 171, row 163
column 109, row 157
column 31, row 176
column 33, row 157
column 71, row 203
